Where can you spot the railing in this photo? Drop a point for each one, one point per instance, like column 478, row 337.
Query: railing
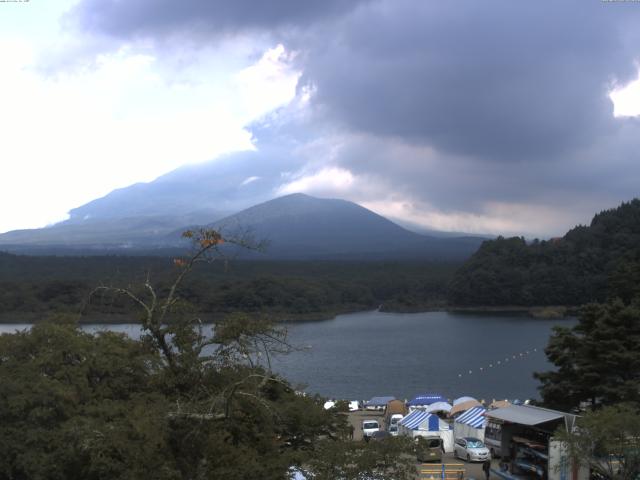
column 442, row 471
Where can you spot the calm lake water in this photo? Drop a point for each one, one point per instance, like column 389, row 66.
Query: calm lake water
column 360, row 355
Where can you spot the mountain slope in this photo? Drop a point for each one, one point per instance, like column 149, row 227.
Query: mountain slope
column 143, row 212
column 150, row 216
column 301, row 226
column 114, row 232
column 217, row 186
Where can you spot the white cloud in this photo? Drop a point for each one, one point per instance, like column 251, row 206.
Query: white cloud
column 74, row 136
column 499, row 218
column 626, row 100
column 268, row 83
column 331, row 179
column 249, row 180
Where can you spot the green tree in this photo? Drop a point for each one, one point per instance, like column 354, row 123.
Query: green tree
column 75, row 405
column 180, row 403
column 592, row 263
column 607, row 441
column 379, row 460
column 598, row 360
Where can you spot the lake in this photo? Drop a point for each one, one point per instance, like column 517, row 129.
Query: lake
column 360, row 355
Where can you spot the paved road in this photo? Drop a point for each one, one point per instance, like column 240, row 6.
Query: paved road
column 473, row 470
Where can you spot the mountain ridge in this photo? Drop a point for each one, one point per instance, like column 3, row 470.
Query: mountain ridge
column 298, row 226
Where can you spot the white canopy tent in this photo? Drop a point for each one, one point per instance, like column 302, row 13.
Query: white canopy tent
column 438, row 407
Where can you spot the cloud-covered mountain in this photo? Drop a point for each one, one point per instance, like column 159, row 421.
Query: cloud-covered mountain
column 295, row 226
column 145, row 213
column 205, row 192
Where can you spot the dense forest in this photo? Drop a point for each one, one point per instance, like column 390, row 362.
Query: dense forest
column 33, row 286
column 589, row 264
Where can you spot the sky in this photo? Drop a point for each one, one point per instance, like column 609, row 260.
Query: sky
column 495, row 117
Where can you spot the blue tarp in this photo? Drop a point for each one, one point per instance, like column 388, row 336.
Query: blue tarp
column 474, row 417
column 417, row 417
column 379, row 401
column 426, row 399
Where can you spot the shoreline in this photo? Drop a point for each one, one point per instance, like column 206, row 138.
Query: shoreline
column 542, row 312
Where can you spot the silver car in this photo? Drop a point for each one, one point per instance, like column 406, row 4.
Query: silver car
column 471, row 449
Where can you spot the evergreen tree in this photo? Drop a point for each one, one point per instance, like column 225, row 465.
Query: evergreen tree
column 598, row 360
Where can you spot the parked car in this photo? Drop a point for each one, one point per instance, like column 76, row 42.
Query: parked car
column 428, row 449
column 395, row 418
column 393, row 430
column 471, row 449
column 369, row 426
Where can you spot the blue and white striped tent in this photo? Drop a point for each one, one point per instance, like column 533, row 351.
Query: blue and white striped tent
column 424, row 424
column 471, row 423
column 474, row 417
column 419, row 419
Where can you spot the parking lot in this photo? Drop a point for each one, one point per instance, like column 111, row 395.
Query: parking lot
column 471, row 470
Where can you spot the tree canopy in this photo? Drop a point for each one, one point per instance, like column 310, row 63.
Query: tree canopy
column 589, row 264
column 179, row 403
column 607, row 441
column 597, row 361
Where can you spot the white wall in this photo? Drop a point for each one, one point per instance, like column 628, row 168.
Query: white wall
column 561, row 467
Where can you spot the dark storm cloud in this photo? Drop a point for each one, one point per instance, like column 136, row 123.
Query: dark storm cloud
column 153, row 18
column 503, row 80
column 500, row 79
column 460, row 106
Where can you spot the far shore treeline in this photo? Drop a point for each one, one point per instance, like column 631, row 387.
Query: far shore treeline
column 33, row 286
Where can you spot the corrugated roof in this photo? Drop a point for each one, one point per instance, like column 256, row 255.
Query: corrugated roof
column 474, row 418
column 525, row 414
column 380, row 401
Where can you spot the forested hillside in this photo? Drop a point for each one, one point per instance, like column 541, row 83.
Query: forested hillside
column 590, row 263
column 32, row 286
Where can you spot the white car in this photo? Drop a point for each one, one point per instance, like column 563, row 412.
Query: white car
column 393, row 429
column 369, row 426
column 471, row 449
column 395, row 418
column 354, row 405
column 329, row 404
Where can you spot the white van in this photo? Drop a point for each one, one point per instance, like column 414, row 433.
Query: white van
column 395, row 418
column 369, row 426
